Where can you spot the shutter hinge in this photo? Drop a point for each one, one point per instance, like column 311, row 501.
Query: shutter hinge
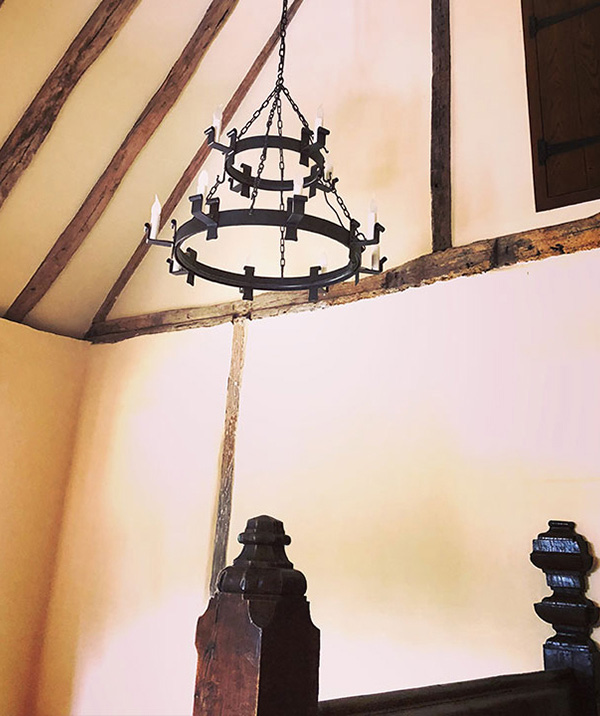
column 546, row 150
column 537, row 24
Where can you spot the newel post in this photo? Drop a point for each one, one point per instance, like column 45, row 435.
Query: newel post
column 565, row 558
column 258, row 650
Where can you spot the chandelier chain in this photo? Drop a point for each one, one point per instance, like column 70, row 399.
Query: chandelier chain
column 282, row 178
column 296, row 109
column 263, row 154
column 342, row 206
column 218, row 181
column 257, row 113
column 282, row 34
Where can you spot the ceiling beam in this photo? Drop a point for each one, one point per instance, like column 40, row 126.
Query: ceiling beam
column 104, row 189
column 38, row 119
column 476, row 258
column 192, row 170
column 441, row 193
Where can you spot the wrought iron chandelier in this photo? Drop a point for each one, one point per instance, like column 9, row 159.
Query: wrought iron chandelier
column 291, row 217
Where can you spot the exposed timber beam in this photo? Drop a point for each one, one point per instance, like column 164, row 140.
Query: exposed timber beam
column 232, row 410
column 441, row 192
column 38, row 119
column 192, row 170
column 476, row 258
column 102, row 192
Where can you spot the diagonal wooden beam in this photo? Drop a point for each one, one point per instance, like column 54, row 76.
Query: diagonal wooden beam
column 441, row 195
column 30, row 131
column 102, row 192
column 476, row 258
column 193, row 168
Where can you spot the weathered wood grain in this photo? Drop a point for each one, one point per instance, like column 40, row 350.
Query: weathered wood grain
column 232, row 408
column 441, row 192
column 102, row 192
column 38, row 119
column 258, row 650
column 192, row 170
column 476, row 258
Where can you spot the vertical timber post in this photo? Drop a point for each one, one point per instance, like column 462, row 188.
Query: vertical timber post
column 258, row 650
column 565, row 558
column 441, row 189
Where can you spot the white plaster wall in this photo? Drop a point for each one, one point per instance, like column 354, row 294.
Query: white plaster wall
column 413, row 445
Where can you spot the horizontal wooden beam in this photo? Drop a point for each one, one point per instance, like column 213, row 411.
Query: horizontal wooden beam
column 192, row 170
column 101, row 194
column 38, row 119
column 476, row 258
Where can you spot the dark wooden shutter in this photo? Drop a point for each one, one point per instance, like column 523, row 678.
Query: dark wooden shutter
column 562, row 52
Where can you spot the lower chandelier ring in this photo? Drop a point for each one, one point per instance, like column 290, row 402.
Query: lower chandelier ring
column 186, row 258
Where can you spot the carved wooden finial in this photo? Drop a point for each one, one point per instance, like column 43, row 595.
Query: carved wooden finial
column 258, row 650
column 263, row 566
column 566, row 559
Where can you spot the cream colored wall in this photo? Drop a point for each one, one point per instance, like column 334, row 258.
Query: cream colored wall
column 413, row 445
column 41, row 380
column 135, row 548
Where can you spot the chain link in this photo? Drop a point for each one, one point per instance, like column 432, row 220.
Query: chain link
column 219, row 180
column 257, row 113
column 342, row 204
column 282, row 178
column 282, row 33
column 263, row 154
column 296, row 109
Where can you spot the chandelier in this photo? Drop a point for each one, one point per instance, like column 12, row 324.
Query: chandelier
column 316, row 175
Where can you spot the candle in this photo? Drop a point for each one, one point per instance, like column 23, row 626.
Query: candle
column 202, row 184
column 299, row 185
column 323, row 262
column 155, row 218
column 372, row 220
column 328, row 170
column 218, row 121
column 319, row 119
column 375, row 258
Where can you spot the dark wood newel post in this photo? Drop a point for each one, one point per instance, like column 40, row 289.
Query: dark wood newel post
column 258, row 650
column 566, row 559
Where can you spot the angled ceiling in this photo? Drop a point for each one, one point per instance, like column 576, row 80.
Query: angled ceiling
column 367, row 62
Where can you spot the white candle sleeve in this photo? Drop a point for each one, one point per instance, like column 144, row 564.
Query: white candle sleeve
column 155, row 218
column 218, row 121
column 202, row 183
column 319, row 118
column 375, row 258
column 372, row 220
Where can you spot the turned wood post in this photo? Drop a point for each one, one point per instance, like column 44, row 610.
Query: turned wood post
column 258, row 650
column 565, row 558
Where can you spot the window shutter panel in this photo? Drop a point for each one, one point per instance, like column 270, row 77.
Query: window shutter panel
column 562, row 53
